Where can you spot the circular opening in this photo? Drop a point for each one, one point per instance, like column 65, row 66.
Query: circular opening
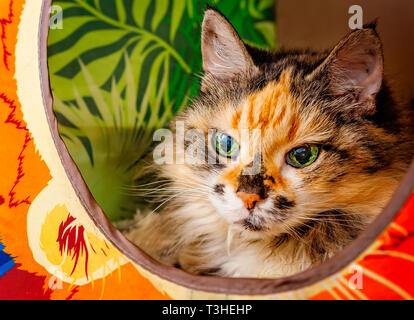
column 204, row 283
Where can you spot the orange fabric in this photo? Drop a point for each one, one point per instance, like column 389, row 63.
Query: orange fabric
column 387, row 267
column 23, row 176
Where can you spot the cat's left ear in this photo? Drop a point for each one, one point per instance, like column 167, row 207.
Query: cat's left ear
column 354, row 69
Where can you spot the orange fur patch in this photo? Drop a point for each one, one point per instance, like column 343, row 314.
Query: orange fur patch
column 273, row 111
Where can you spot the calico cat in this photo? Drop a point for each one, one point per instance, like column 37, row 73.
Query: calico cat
column 331, row 146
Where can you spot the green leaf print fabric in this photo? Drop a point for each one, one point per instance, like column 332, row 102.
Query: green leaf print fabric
column 120, row 69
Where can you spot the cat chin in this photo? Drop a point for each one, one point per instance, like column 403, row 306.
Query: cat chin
column 231, row 209
column 250, row 222
column 235, row 216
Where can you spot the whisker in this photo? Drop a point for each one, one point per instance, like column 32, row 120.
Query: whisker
column 147, row 184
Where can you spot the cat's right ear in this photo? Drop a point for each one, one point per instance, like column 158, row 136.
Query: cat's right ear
column 225, row 56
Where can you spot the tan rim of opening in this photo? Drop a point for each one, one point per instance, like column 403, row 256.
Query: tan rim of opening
column 242, row 286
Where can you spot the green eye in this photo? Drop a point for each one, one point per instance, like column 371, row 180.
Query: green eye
column 225, row 145
column 302, row 156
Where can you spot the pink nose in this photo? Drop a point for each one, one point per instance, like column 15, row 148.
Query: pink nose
column 249, row 199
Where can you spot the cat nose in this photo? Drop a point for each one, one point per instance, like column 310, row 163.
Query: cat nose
column 249, row 199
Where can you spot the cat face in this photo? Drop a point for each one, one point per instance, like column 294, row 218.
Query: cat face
column 266, row 184
column 290, row 132
column 281, row 164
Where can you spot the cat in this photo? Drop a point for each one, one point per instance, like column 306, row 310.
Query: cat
column 333, row 144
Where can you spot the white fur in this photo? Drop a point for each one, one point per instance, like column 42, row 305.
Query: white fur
column 204, row 235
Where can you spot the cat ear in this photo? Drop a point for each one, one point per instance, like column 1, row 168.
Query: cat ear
column 224, row 54
column 355, row 70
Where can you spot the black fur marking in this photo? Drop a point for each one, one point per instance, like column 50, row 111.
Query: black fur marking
column 328, row 232
column 387, row 115
column 219, row 188
column 281, row 239
column 278, row 215
column 282, row 203
column 252, row 184
column 373, row 169
column 252, row 226
column 381, row 157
